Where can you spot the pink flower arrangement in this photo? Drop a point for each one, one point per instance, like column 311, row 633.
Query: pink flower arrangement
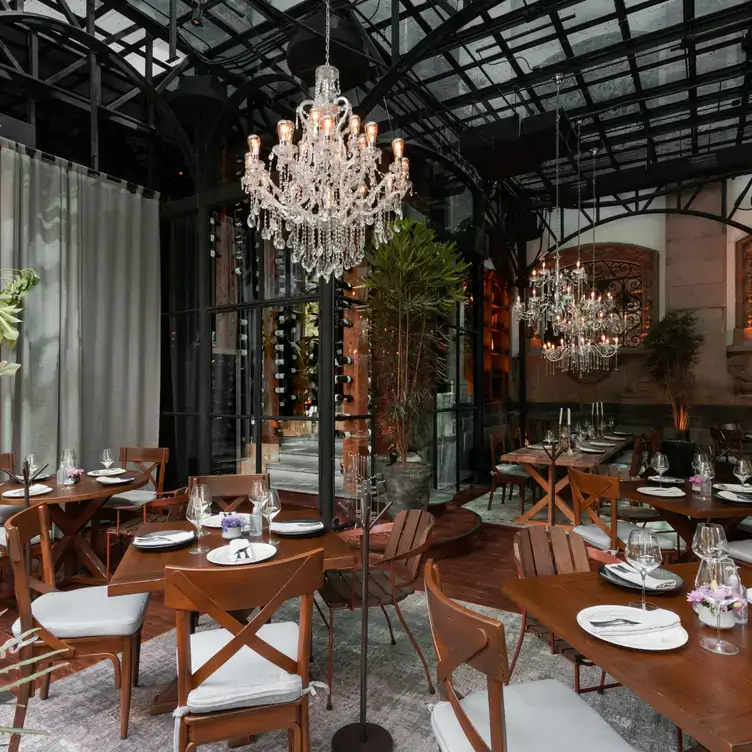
column 710, row 598
column 76, row 473
column 696, row 480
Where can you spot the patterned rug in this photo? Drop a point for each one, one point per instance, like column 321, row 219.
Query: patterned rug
column 83, row 711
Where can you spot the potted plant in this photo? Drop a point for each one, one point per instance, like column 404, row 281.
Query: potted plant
column 14, row 284
column 673, row 346
column 414, row 284
column 708, row 610
column 232, row 526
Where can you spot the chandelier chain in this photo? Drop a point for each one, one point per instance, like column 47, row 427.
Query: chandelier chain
column 328, row 31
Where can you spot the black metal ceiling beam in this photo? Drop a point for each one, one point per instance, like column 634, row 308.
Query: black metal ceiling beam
column 688, row 10
column 746, row 87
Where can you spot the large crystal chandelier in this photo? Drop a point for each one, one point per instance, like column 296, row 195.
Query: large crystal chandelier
column 590, row 326
column 550, row 286
column 329, row 188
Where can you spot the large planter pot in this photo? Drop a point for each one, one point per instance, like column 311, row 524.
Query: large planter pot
column 408, row 486
column 679, row 454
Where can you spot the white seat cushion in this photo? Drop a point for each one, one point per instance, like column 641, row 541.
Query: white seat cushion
column 510, row 469
column 135, row 498
column 88, row 612
column 741, row 550
column 8, row 510
column 595, row 537
column 247, row 679
column 540, row 716
column 56, row 534
column 746, row 525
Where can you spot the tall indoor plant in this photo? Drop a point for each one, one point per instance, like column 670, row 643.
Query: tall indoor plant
column 673, row 346
column 14, row 284
column 414, row 284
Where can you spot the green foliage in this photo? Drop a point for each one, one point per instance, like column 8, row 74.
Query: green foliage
column 673, row 347
column 14, row 284
column 414, row 285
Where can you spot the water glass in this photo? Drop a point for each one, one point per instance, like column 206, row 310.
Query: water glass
column 272, row 507
column 196, row 513
column 255, row 528
column 659, row 463
column 107, row 458
column 68, row 458
column 718, row 582
column 710, row 542
column 707, row 473
column 743, row 470
column 644, row 554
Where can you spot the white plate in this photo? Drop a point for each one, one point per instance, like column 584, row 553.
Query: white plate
column 613, row 437
column 103, row 473
column 216, row 519
column 171, row 538
column 665, row 639
column 223, row 555
column 622, row 433
column 37, row 489
column 116, row 480
column 676, row 493
column 668, row 479
column 603, row 443
column 730, row 496
column 733, row 487
column 589, row 450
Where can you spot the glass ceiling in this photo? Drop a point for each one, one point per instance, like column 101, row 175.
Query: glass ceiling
column 649, row 79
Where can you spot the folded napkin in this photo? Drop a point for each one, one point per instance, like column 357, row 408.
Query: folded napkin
column 241, row 550
column 156, row 538
column 297, row 526
column 625, row 572
column 34, row 490
column 734, row 487
column 670, row 492
column 647, row 621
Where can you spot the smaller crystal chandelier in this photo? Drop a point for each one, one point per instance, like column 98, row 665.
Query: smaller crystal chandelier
column 329, row 188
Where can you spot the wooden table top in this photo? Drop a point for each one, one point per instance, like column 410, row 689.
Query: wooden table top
column 86, row 489
column 578, row 460
column 705, row 694
column 144, row 571
column 690, row 505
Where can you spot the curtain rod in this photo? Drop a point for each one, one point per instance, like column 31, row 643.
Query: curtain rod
column 51, row 158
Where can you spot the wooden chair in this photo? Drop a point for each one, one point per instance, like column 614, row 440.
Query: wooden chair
column 390, row 580
column 228, row 492
column 78, row 623
column 541, row 552
column 538, row 715
column 245, row 677
column 503, row 474
column 7, row 462
column 151, row 461
column 169, row 506
column 727, row 444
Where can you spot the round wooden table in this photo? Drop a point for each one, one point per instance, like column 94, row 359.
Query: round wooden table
column 72, row 508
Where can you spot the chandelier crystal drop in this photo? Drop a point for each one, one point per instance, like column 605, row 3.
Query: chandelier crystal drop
column 329, row 190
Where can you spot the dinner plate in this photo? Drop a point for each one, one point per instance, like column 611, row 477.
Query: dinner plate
column 613, row 437
column 590, row 450
column 668, row 479
column 661, row 492
column 665, row 639
column 307, row 529
column 660, row 574
column 160, row 540
column 731, row 496
column 37, row 489
column 603, row 444
column 733, row 487
column 216, row 519
column 116, row 480
column 106, row 472
column 223, row 555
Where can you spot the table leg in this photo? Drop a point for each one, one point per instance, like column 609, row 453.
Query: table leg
column 551, row 499
column 72, row 523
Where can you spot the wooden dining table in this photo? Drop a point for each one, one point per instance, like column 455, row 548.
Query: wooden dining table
column 531, row 458
column 685, row 513
column 706, row 695
column 72, row 508
column 144, row 571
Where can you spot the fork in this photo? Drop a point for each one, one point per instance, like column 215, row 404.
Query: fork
column 614, row 623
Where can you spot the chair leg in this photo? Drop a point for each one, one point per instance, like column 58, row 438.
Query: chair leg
column 305, row 732
column 125, row 686
column 116, row 670
column 493, row 490
column 389, row 624
column 136, row 657
column 523, row 629
column 416, row 646
column 294, row 739
column 19, row 715
column 577, row 677
column 44, row 682
column 182, row 736
column 603, row 682
column 679, row 740
column 504, row 493
column 331, row 659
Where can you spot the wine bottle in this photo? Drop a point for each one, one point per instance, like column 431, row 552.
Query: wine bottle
column 349, row 435
column 346, row 285
column 344, row 360
column 346, row 322
column 281, row 375
column 279, row 346
column 279, row 361
column 279, row 333
column 339, row 347
column 343, row 398
column 342, row 379
column 280, row 389
column 345, row 303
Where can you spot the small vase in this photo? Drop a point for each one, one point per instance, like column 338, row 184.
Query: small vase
column 709, row 619
column 232, row 532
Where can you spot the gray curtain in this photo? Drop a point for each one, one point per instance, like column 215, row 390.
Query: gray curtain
column 90, row 338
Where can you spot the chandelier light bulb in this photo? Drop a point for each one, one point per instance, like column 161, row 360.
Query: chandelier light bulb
column 327, row 125
column 398, row 148
column 285, row 130
column 354, row 125
column 372, row 132
column 254, row 145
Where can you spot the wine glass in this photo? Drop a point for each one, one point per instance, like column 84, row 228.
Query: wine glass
column 644, row 554
column 34, row 466
column 197, row 512
column 107, row 458
column 743, row 470
column 270, row 509
column 718, row 583
column 68, row 458
column 202, row 491
column 707, row 473
column 710, row 542
column 698, row 459
column 659, row 463
column 258, row 489
column 549, row 437
column 611, row 426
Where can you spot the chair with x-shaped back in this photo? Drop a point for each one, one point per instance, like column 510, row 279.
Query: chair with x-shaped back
column 152, row 461
column 244, row 677
column 229, row 492
column 7, row 462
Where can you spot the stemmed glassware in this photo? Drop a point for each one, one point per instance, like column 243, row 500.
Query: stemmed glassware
column 68, row 458
column 644, row 554
column 698, row 459
column 549, row 437
column 258, row 494
column 107, row 458
column 197, row 512
column 707, row 473
column 659, row 463
column 202, row 491
column 271, row 508
column 710, row 542
column 33, row 465
column 718, row 580
column 743, row 470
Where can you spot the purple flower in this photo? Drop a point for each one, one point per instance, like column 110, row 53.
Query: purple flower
column 696, row 596
column 76, row 472
column 696, row 480
column 232, row 520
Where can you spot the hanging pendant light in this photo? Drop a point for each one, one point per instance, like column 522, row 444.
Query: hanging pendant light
column 329, row 191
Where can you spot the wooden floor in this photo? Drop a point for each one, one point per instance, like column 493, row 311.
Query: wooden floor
column 475, row 577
